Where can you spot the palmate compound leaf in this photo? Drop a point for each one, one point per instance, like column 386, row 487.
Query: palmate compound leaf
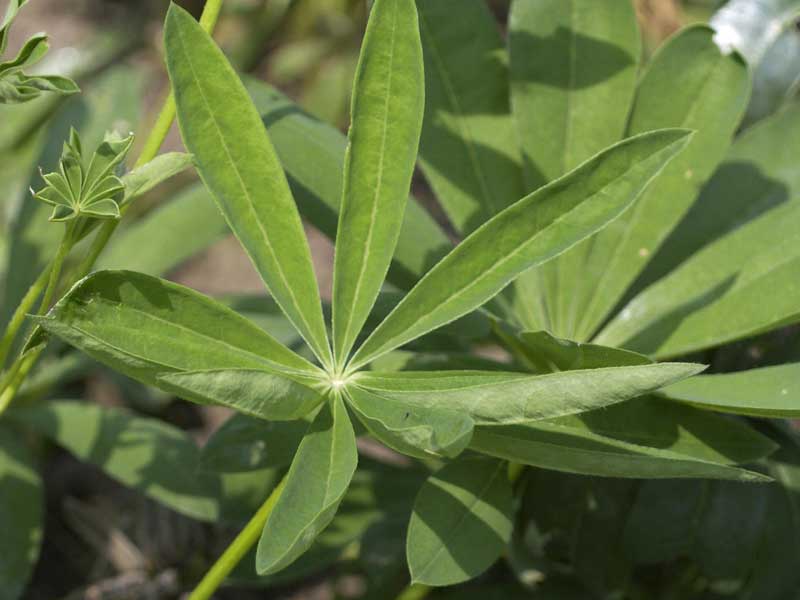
column 223, row 130
column 315, row 485
column 79, row 189
column 462, row 521
column 388, row 102
column 532, row 231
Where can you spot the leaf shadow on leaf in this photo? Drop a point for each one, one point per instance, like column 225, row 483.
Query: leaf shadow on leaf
column 607, row 59
column 747, row 193
column 449, row 165
column 440, row 502
column 649, row 339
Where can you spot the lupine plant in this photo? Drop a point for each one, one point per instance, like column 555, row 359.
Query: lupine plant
column 584, row 258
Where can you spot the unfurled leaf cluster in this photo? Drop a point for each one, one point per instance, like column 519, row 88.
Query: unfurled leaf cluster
column 17, row 85
column 79, row 189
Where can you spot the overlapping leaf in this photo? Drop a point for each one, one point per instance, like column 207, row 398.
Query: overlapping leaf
column 641, row 438
column 388, row 102
column 531, row 231
column 507, row 398
column 461, row 521
column 315, row 485
column 766, row 392
column 222, row 129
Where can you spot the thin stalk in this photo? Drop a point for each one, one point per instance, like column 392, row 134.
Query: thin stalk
column 20, row 371
column 238, row 548
column 25, row 306
column 67, row 241
column 153, row 143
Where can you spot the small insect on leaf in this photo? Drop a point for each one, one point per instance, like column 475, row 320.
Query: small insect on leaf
column 93, row 190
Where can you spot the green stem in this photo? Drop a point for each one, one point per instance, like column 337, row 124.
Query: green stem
column 25, row 306
column 67, row 241
column 152, row 144
column 415, row 591
column 238, row 548
column 20, row 371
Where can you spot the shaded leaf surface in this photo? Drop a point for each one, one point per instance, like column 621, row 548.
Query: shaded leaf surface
column 461, row 521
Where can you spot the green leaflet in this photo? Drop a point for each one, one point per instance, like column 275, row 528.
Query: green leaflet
column 719, row 295
column 573, row 75
column 411, row 429
column 145, row 327
column 758, row 174
column 222, row 129
column 468, row 150
column 388, row 102
column 315, row 485
column 689, row 83
column 21, row 514
column 146, row 454
column 645, row 437
column 252, row 392
column 506, row 398
column 461, row 521
column 163, row 167
column 767, row 392
column 244, row 444
column 549, row 353
column 531, row 231
column 312, row 152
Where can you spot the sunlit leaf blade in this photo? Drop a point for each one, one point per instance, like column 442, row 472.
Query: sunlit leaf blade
column 411, row 429
column 388, row 102
column 461, row 521
column 144, row 327
column 645, row 437
column 315, row 485
column 21, row 514
column 145, row 454
column 312, row 152
column 252, row 392
column 766, row 392
column 245, row 444
column 725, row 292
column 223, row 130
column 759, row 173
column 142, row 179
column 549, row 353
column 468, row 150
column 531, row 231
column 573, row 75
column 689, row 83
column 497, row 398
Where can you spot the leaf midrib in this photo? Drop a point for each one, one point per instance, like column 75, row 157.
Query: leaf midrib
column 349, row 335
column 306, row 330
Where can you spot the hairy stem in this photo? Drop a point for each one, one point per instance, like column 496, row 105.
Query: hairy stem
column 25, row 306
column 238, row 548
